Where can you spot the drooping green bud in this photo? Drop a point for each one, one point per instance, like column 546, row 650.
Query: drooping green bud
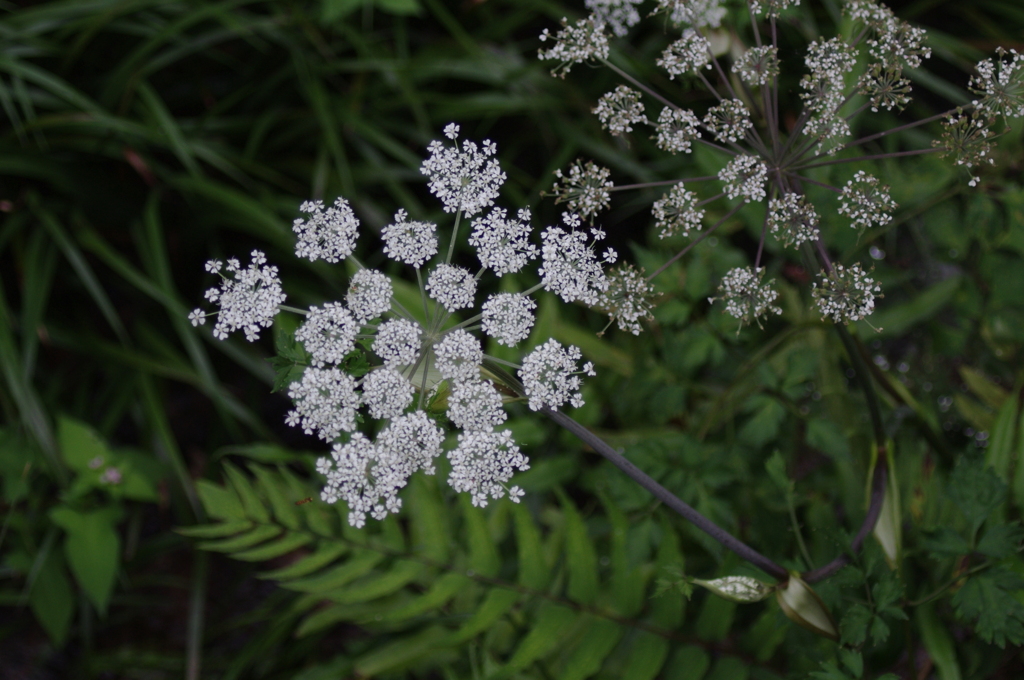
column 742, row 589
column 803, row 606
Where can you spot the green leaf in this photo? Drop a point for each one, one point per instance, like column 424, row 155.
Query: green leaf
column 220, row 530
column 533, row 571
column 999, row 452
column 939, row 643
column 285, row 511
column 854, row 625
column 441, row 591
column 93, row 551
column 219, row 502
column 361, row 562
column 647, row 655
column 976, row 490
column 776, row 468
column 483, row 554
column 1001, row 540
column 81, row 447
column 946, row 541
column 325, row 554
column 765, row 423
column 547, row 631
column 401, row 653
column 431, row 533
column 988, row 601
column 52, row 598
column 497, row 603
column 258, row 534
column 688, row 663
column 990, row 393
column 252, row 504
column 581, row 559
column 399, row 575
column 729, row 668
column 271, row 549
column 895, row 320
column 598, row 642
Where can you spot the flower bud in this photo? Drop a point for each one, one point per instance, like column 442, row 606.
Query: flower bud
column 803, row 606
column 742, row 589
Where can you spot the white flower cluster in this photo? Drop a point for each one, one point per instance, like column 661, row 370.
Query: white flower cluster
column 619, row 110
column 677, row 212
column 585, row 188
column 619, row 15
column 628, row 299
column 773, row 8
column 696, row 13
column 686, row 55
column 729, row 121
column 423, row 367
column 746, row 298
column 745, row 176
column 792, row 219
column 846, row 294
column 677, row 130
column 758, row 66
column 248, row 301
column 866, row 201
column 966, row 138
column 1000, row 84
column 583, row 41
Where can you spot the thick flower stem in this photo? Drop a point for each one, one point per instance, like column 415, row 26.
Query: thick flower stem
column 665, row 496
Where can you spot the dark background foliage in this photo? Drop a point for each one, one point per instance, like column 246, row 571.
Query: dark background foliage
column 141, row 138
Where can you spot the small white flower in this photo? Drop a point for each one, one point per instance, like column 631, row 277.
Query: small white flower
column 866, row 201
column 677, row 130
column 329, row 235
column 483, row 462
column 328, row 334
column 475, row 405
column 570, row 268
column 746, row 298
column 686, row 55
column 398, row 343
column 369, row 294
column 792, row 219
column 458, row 356
column 503, row 244
column 697, row 13
column 351, row 478
column 549, row 376
column 847, row 294
column 585, row 188
column 410, row 443
column 410, row 242
column 325, row 403
column 386, row 393
column 729, row 121
column 628, row 298
column 248, row 301
column 1000, row 84
column 745, row 176
column 583, row 41
column 620, row 109
column 453, row 286
column 463, row 177
column 758, row 66
column 677, row 212
column 618, row 15
column 508, row 317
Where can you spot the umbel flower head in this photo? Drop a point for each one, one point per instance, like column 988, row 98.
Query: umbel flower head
column 768, row 154
column 372, row 359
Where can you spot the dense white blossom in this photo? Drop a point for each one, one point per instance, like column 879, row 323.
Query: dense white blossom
column 475, row 405
column 325, row 403
column 503, row 243
column 772, row 8
column 585, row 188
column 463, row 177
column 1000, row 84
column 866, row 201
column 569, row 266
column 398, row 342
column 386, row 393
column 620, row 109
column 697, row 13
column 729, row 121
column 758, row 66
column 248, row 301
column 328, row 234
column 677, row 129
column 452, row 286
column 792, row 219
column 745, row 176
column 677, row 212
column 410, row 242
column 618, row 15
column 369, row 294
column 328, row 334
column 583, row 41
column 846, row 294
column 746, row 297
column 686, row 55
column 458, row 356
column 629, row 298
column 550, row 376
column 508, row 317
column 483, row 462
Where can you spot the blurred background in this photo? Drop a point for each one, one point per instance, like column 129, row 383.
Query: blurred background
column 140, row 138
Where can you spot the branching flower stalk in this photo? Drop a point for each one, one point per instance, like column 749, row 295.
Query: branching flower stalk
column 763, row 160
